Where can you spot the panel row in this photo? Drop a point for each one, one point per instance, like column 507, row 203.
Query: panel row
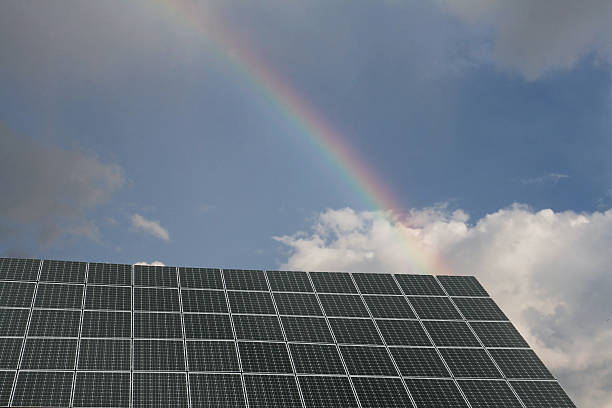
column 235, row 279
column 97, row 297
column 260, row 357
column 105, row 389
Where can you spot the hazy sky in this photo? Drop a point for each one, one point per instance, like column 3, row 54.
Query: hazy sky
column 134, row 131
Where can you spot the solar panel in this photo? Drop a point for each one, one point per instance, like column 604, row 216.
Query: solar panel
column 59, row 296
column 272, row 391
column 188, row 337
column 316, row 359
column 109, row 274
column 289, row 281
column 489, row 394
column 206, row 301
column 327, row 392
column 216, row 391
column 212, row 356
column 95, row 389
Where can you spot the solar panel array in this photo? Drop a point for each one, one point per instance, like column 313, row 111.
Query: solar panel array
column 107, row 335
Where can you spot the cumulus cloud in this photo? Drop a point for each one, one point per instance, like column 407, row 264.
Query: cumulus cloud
column 533, row 37
column 150, row 227
column 154, row 263
column 51, row 190
column 549, row 271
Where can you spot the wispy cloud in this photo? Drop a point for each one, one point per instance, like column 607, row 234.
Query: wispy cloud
column 150, row 227
column 154, row 263
column 548, row 178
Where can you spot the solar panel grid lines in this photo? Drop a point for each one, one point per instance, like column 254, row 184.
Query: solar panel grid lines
column 185, row 354
column 431, row 287
column 242, row 379
column 76, row 357
column 13, row 388
column 391, row 357
column 344, row 365
column 280, row 322
column 485, row 349
column 132, row 337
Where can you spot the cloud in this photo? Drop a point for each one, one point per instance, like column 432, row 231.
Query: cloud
column 150, row 227
column 534, row 37
column 154, row 263
column 51, row 190
column 550, row 272
column 548, row 178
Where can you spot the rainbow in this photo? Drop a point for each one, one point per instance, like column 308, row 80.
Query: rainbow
column 312, row 125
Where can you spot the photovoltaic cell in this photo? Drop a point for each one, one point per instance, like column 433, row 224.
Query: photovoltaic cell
column 216, row 391
column 419, row 285
column 6, row 385
column 519, row 363
column 489, row 394
column 13, row 322
column 250, row 327
column 419, row 362
column 55, row 323
column 164, row 276
column 49, row 354
column 208, row 326
column 264, row 357
column 498, row 334
column 158, row 325
column 95, row 389
column 104, row 355
column 542, row 394
column 389, row 306
column 343, row 305
column 59, row 296
column 435, row 393
column 19, row 269
column 156, row 299
column 376, row 283
column 337, row 282
column 355, row 331
column 159, row 355
column 48, row 389
column 403, row 333
column 469, row 363
column 306, row 329
column 109, row 274
column 10, row 348
column 200, row 278
column 160, row 390
column 297, row 304
column 327, row 392
column 272, row 391
column 434, row 308
column 107, row 324
column 289, row 281
column 108, row 298
column 479, row 309
column 381, row 392
column 445, row 333
column 462, row 286
column 208, row 301
column 316, row 359
column 63, row 271
column 212, row 356
column 361, row 360
column 16, row 294
column 251, row 302
column 238, row 279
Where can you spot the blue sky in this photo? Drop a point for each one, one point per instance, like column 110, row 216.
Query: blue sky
column 127, row 136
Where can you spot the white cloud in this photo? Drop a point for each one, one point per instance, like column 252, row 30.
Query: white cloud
column 550, row 272
column 533, row 37
column 548, row 178
column 154, row 263
column 150, row 227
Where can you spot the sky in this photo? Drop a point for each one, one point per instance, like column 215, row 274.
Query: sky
column 468, row 137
